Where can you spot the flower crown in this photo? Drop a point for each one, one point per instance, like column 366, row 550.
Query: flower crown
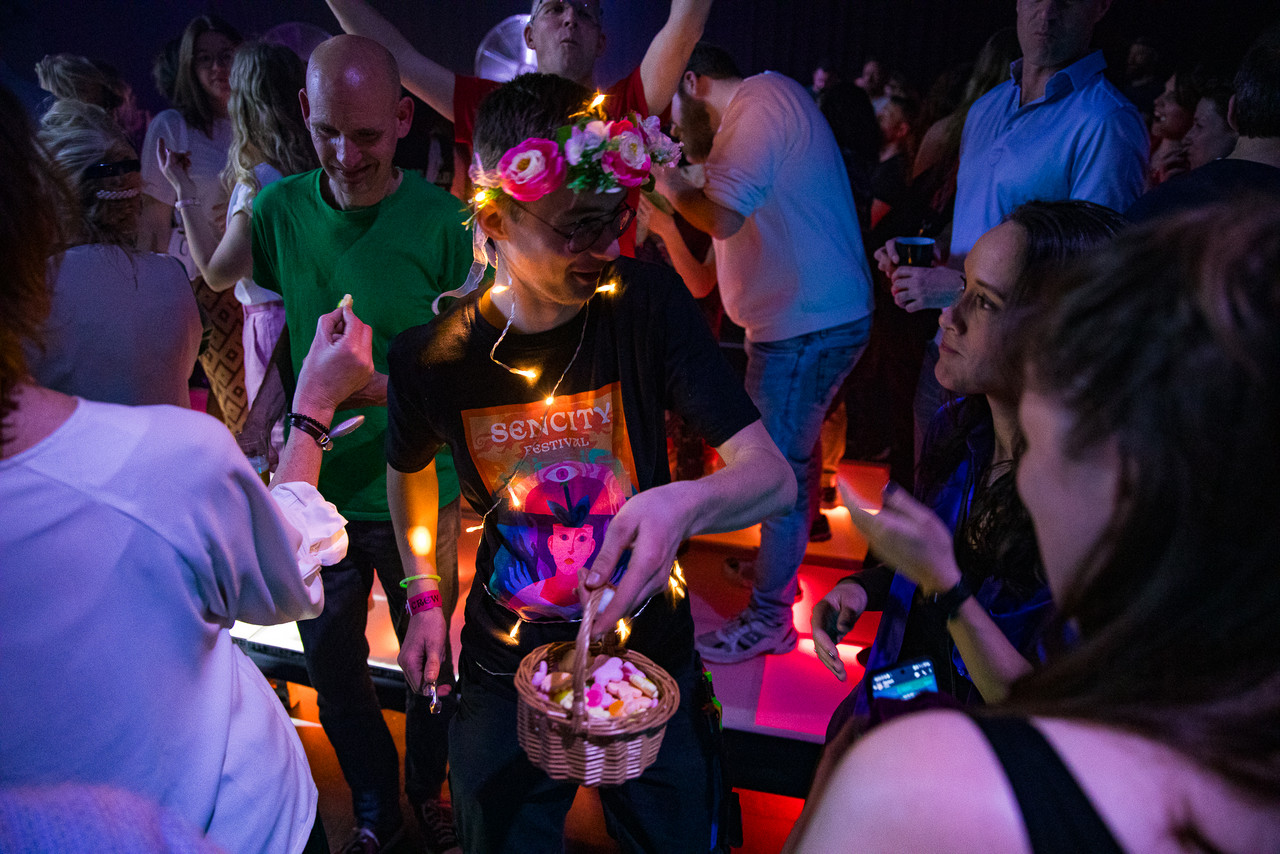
column 591, row 154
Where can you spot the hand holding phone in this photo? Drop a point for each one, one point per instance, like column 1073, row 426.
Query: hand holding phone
column 903, row 681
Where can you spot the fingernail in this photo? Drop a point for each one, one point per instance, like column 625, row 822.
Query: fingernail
column 593, row 579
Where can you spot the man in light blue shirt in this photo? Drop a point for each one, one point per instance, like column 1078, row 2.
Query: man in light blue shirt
column 1055, row 130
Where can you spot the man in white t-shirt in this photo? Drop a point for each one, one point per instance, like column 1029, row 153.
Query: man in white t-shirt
column 792, row 273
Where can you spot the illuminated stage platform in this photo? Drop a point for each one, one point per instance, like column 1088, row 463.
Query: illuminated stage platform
column 776, row 707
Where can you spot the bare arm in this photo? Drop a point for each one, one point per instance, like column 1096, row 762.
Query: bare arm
column 756, row 482
column 222, row 263
column 910, row 537
column 414, row 501
column 699, row 276
column 668, row 54
column 154, row 224
column 429, row 80
column 692, row 203
column 340, row 360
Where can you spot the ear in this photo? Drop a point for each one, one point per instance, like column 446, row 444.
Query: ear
column 493, row 222
column 528, row 37
column 404, row 117
column 1231, row 114
column 689, row 83
column 1103, row 8
column 306, row 107
column 600, row 45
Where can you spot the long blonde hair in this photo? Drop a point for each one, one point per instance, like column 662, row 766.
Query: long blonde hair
column 266, row 117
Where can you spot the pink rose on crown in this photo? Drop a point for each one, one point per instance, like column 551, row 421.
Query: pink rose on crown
column 531, row 169
column 627, row 159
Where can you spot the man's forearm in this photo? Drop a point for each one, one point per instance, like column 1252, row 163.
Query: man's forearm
column 704, row 214
column 755, row 483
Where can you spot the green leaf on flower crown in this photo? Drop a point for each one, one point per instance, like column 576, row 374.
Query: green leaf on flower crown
column 563, row 134
column 647, row 186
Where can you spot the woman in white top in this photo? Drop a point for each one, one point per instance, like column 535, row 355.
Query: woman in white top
column 198, row 125
column 131, row 538
column 125, row 327
column 269, row 141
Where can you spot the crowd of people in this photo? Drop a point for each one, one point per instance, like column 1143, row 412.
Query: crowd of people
column 1073, row 371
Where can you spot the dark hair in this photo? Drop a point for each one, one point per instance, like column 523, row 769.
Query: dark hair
column 1168, row 344
column 164, row 69
column 996, row 538
column 29, row 233
column 709, row 60
column 1257, row 88
column 990, row 69
column 531, row 105
column 189, row 97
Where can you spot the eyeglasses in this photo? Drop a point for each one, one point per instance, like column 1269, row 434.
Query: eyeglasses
column 205, row 61
column 110, row 170
column 557, row 7
column 587, row 233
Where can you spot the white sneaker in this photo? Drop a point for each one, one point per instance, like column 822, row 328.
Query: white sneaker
column 746, row 636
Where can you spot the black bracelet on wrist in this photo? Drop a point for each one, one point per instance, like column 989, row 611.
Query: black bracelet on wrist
column 312, row 428
column 951, row 600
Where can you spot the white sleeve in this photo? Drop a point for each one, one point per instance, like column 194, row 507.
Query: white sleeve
column 245, row 557
column 321, row 527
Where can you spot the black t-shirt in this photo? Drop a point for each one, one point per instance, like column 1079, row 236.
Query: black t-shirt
column 551, row 477
column 1217, row 181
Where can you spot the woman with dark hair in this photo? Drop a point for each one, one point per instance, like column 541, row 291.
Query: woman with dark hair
column 973, row 607
column 269, row 141
column 1151, row 413
column 197, row 125
column 1171, row 118
column 125, row 327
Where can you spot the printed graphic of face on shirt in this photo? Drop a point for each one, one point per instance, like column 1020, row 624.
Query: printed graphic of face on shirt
column 558, row 475
column 570, row 547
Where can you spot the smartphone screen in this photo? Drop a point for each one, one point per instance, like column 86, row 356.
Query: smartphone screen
column 905, row 680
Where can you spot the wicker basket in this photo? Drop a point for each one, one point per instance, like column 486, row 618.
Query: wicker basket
column 571, row 745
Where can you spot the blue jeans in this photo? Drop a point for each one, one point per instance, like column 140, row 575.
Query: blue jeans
column 337, row 656
column 792, row 383
column 502, row 802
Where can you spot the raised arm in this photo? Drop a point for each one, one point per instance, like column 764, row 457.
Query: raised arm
column 910, row 537
column 693, row 204
column 429, row 80
column 699, row 276
column 756, row 482
column 669, row 51
column 222, row 262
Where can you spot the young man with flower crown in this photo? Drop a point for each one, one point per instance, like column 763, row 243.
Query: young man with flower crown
column 550, row 387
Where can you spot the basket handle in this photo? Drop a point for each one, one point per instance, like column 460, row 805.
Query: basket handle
column 581, row 651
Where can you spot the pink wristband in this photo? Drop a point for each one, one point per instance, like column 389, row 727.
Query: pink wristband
column 423, row 602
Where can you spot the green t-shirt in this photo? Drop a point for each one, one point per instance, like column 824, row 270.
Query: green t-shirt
column 393, row 258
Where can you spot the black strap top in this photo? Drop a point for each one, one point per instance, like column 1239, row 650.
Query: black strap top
column 1058, row 815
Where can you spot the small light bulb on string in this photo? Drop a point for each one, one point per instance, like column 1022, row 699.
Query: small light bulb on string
column 475, row 528
column 624, row 631
column 515, row 499
column 530, row 375
column 608, row 288
column 420, row 540
column 515, row 631
column 498, row 289
column 676, row 581
column 597, row 101
column 549, row 401
column 480, row 198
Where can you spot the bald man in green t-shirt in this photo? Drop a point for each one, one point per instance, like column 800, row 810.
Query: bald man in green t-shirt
column 360, row 226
